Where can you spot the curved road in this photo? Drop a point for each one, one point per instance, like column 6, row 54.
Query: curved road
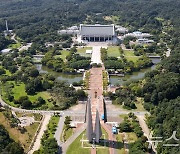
column 61, row 121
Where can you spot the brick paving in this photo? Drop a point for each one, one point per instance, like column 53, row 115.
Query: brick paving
column 110, row 137
column 96, row 95
column 93, row 151
column 96, row 91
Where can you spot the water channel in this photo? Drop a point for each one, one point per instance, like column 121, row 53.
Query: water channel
column 114, row 80
column 60, row 76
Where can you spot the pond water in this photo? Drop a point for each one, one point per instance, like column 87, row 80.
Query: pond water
column 60, row 76
column 115, row 80
column 155, row 60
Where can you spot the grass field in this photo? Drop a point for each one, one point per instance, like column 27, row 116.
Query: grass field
column 120, row 145
column 129, row 55
column 66, row 134
column 86, row 80
column 15, row 46
column 104, row 150
column 105, row 80
column 82, row 51
column 123, row 116
column 113, row 51
column 76, row 148
column 64, row 54
column 113, row 19
column 53, row 125
column 26, row 138
column 138, row 105
column 19, row 90
column 51, row 129
column 131, row 137
column 8, row 73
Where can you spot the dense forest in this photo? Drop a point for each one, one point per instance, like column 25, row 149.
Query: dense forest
column 32, row 19
column 38, row 20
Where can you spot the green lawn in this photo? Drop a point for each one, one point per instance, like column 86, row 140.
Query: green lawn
column 86, row 80
column 82, row 51
column 104, row 150
column 129, row 55
column 105, row 80
column 120, row 145
column 159, row 19
column 66, row 134
column 131, row 137
column 19, row 90
column 53, row 125
column 123, row 116
column 64, row 54
column 113, row 51
column 15, row 46
column 8, row 73
column 76, row 148
column 113, row 19
column 51, row 129
column 139, row 104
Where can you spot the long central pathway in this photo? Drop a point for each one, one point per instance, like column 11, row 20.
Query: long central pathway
column 96, row 93
column 96, row 55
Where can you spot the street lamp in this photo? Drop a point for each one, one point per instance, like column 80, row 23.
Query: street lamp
column 93, row 146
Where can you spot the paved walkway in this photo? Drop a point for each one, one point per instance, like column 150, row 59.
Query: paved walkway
column 93, row 151
column 110, row 137
column 96, row 94
column 96, row 91
column 96, row 55
column 145, row 129
column 37, row 142
column 143, row 125
column 59, row 130
column 72, row 138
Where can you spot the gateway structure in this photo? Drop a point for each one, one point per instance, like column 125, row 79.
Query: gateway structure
column 97, row 33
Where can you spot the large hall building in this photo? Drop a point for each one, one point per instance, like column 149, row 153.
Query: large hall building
column 97, row 33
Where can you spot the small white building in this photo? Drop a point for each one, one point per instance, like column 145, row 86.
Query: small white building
column 89, row 51
column 73, row 28
column 145, row 41
column 138, row 35
column 68, row 32
column 121, row 29
column 4, row 51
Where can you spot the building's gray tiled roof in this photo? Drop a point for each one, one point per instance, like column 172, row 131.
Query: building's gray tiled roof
column 98, row 30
